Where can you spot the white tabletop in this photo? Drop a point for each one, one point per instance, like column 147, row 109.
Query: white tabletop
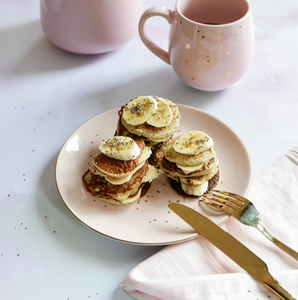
column 47, row 93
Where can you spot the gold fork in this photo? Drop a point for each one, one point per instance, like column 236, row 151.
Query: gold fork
column 244, row 211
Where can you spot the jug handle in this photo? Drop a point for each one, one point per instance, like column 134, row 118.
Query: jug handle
column 159, row 11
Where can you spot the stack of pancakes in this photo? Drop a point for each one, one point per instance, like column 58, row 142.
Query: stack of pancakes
column 155, row 125
column 120, row 179
column 191, row 164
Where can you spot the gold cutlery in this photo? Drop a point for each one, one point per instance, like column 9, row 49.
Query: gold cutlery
column 246, row 259
column 244, row 211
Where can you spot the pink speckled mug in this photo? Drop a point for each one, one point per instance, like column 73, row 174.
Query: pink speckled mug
column 210, row 43
column 90, row 26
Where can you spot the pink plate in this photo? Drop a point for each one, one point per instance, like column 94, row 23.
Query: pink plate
column 148, row 221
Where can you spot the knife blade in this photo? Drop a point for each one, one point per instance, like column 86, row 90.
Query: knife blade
column 230, row 246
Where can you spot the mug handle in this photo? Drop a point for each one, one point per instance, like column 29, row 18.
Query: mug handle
column 159, row 11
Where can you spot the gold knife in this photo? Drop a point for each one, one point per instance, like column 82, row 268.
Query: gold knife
column 246, row 259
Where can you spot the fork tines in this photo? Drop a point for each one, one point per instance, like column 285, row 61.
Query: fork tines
column 228, row 202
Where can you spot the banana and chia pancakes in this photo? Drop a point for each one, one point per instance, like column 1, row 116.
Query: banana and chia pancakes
column 120, row 174
column 152, row 118
column 191, row 164
column 143, row 143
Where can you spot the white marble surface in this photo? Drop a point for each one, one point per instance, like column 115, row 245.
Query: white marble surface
column 46, row 93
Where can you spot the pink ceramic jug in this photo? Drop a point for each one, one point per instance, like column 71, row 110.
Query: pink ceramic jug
column 90, row 26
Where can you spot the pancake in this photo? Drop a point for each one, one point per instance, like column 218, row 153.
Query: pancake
column 121, row 129
column 195, row 180
column 142, row 191
column 171, row 168
column 98, row 184
column 186, row 159
column 157, row 154
column 126, row 193
column 118, row 168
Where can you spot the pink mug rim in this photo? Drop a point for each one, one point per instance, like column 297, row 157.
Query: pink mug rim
column 210, row 25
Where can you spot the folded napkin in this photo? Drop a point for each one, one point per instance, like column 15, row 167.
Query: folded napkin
column 198, row 270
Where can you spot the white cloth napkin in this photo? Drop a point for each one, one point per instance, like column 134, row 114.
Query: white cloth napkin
column 198, row 270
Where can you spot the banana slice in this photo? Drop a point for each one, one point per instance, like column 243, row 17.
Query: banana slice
column 163, row 117
column 197, row 190
column 139, row 110
column 193, row 143
column 190, row 169
column 151, row 174
column 120, row 147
